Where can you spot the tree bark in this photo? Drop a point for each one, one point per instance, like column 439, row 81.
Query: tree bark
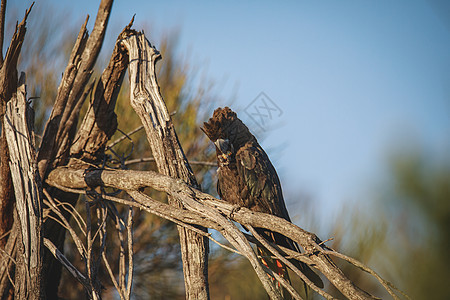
column 19, row 128
column 8, row 86
column 61, row 128
column 148, row 103
column 100, row 121
column 2, row 28
column 7, row 268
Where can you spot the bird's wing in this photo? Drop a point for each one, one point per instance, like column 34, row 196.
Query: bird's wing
column 261, row 191
column 258, row 181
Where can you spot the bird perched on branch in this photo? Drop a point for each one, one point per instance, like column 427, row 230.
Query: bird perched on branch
column 247, row 178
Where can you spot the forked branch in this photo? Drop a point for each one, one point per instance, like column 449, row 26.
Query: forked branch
column 147, row 101
column 205, row 210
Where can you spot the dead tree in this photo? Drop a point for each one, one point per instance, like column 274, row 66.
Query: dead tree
column 41, row 186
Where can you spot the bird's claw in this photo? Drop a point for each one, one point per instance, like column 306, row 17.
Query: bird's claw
column 235, row 209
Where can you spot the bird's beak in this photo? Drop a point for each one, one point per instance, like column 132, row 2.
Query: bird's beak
column 222, row 145
column 224, row 150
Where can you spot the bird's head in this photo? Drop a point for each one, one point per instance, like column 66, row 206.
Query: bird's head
column 224, row 124
column 224, row 151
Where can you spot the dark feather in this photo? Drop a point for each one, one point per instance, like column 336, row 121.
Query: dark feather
column 255, row 171
column 247, row 178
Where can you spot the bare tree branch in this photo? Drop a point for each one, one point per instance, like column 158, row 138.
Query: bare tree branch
column 66, row 263
column 387, row 285
column 147, row 101
column 152, row 159
column 272, row 249
column 130, row 252
column 100, row 121
column 7, row 268
column 2, row 28
column 60, row 129
column 18, row 128
column 8, row 86
column 57, row 139
column 201, row 208
column 110, row 145
column 65, row 223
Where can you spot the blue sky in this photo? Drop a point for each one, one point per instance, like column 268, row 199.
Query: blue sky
column 353, row 78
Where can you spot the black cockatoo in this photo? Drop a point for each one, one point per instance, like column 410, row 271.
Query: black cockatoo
column 247, row 178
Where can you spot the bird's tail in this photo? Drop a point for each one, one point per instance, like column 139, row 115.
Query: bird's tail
column 277, row 267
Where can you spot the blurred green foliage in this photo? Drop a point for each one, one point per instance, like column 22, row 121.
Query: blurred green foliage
column 419, row 203
column 403, row 231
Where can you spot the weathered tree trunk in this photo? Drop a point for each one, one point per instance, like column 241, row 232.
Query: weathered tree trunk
column 61, row 127
column 8, row 86
column 148, row 103
column 100, row 121
column 18, row 128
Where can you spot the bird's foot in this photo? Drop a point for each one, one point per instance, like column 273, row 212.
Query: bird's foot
column 235, row 209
